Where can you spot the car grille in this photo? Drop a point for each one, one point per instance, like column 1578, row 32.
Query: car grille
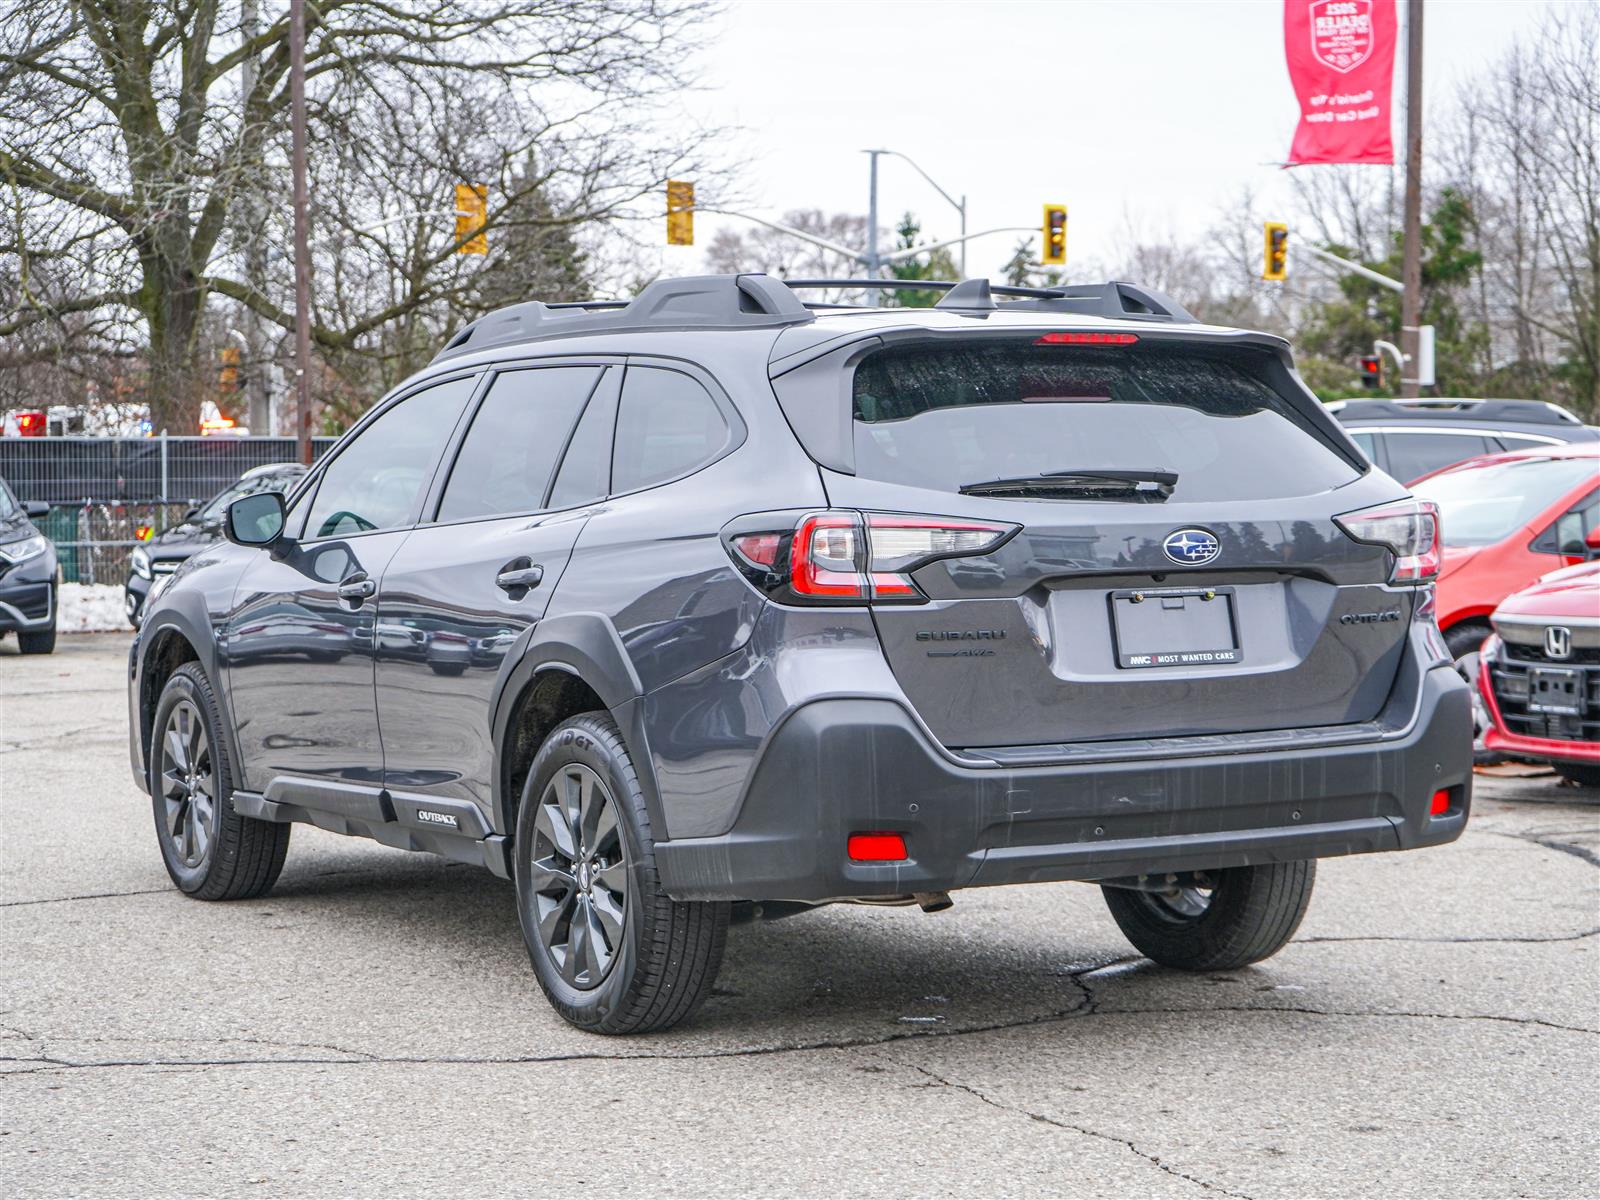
column 1510, row 679
column 1580, row 656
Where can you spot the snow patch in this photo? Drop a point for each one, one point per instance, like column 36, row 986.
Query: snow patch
column 90, row 608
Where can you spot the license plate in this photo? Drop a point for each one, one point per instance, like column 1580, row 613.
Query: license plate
column 1175, row 627
column 1556, row 690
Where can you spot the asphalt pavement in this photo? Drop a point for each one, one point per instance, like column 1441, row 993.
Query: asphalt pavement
column 372, row 1028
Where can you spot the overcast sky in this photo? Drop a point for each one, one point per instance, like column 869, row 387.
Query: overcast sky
column 1150, row 112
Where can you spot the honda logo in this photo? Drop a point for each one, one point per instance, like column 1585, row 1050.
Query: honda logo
column 1558, row 641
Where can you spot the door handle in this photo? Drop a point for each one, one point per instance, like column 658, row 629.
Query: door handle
column 518, row 576
column 357, row 588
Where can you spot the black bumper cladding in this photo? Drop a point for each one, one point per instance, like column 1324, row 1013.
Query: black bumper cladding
column 844, row 766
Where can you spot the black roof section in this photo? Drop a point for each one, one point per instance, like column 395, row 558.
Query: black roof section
column 755, row 301
column 1528, row 412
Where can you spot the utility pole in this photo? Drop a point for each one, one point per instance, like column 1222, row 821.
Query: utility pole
column 1411, row 267
column 257, row 384
column 302, row 231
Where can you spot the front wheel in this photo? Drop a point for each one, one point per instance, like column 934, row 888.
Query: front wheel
column 613, row 952
column 1226, row 919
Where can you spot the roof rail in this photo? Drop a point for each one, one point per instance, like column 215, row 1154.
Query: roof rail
column 762, row 302
column 1116, row 300
column 693, row 302
column 1530, row 412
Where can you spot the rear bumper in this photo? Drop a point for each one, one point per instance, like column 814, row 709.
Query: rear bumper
column 840, row 766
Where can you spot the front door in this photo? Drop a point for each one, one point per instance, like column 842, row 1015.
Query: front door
column 463, row 590
column 298, row 643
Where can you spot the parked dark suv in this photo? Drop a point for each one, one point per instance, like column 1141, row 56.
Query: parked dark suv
column 750, row 607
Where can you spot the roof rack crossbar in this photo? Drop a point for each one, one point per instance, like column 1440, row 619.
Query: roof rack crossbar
column 1116, row 300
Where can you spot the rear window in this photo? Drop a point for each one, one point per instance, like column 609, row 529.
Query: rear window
column 953, row 416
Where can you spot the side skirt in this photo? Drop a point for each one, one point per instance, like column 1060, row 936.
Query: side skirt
column 397, row 821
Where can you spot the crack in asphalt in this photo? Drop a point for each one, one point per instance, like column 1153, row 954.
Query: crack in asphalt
column 1127, row 1143
column 40, row 741
column 1535, row 838
column 86, row 896
column 1334, row 1012
column 1448, row 941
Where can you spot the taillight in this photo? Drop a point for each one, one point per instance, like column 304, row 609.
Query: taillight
column 851, row 558
column 1408, row 529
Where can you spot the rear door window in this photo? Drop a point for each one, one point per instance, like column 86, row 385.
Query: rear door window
column 954, row 416
column 667, row 425
column 1413, row 455
column 516, row 437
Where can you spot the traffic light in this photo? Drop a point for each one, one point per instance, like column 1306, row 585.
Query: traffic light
column 228, row 376
column 1055, row 235
column 1372, row 371
column 680, row 212
column 1275, row 265
column 472, row 213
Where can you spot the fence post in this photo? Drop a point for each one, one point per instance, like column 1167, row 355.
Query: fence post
column 163, row 466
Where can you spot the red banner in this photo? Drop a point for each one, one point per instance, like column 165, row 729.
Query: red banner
column 1341, row 63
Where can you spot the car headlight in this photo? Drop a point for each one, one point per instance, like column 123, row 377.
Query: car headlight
column 139, row 562
column 28, row 547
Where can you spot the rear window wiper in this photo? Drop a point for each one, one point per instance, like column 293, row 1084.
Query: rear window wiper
column 1122, row 483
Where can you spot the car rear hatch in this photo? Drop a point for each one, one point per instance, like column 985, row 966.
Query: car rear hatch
column 1167, row 560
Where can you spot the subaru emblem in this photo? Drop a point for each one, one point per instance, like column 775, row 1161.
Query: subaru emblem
column 1557, row 641
column 1191, row 547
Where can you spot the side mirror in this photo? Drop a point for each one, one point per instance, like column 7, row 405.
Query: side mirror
column 191, row 514
column 255, row 520
column 34, row 509
column 1591, row 543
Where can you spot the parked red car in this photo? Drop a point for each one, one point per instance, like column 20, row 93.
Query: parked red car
column 1506, row 520
column 1540, row 677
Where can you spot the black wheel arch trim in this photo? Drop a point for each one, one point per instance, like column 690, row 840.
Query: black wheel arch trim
column 587, row 646
column 176, row 618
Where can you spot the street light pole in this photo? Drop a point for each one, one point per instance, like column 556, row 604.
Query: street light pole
column 1411, row 265
column 302, row 228
column 872, row 221
column 959, row 205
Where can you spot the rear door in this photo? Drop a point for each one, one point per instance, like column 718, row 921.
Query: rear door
column 464, row 589
column 1227, row 602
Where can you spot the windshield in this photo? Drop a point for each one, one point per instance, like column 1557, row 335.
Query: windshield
column 951, row 416
column 1479, row 506
column 273, row 481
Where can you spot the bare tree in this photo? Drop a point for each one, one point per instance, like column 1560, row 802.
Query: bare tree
column 131, row 118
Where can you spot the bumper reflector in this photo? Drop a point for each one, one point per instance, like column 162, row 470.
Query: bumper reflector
column 877, row 847
column 1441, row 803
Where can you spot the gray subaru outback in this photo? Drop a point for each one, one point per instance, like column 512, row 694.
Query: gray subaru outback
column 715, row 604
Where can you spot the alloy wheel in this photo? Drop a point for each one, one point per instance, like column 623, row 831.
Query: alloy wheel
column 188, row 785
column 1181, row 903
column 579, row 876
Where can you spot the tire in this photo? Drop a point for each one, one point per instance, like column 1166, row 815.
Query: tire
column 211, row 852
column 1464, row 640
column 1250, row 914
column 42, row 642
column 645, row 970
column 1582, row 774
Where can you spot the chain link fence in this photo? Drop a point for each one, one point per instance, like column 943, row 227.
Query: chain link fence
column 102, row 491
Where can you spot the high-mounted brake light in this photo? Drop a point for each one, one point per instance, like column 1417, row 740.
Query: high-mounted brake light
column 1408, row 529
column 1087, row 339
column 851, row 558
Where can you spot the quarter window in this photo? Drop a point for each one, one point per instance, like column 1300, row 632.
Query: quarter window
column 516, row 437
column 1413, row 455
column 667, row 425
column 378, row 479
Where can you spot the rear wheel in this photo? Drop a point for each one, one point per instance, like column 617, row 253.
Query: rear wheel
column 1579, row 773
column 1226, row 919
column 613, row 953
column 211, row 852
